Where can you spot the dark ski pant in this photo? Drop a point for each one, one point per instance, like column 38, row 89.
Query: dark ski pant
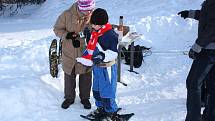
column 85, row 82
column 204, row 92
column 200, row 69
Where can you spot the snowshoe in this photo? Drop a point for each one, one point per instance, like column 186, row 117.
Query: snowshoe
column 124, row 117
column 117, row 117
column 60, row 52
column 53, row 59
column 97, row 115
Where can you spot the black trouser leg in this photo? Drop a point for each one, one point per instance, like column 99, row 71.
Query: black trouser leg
column 210, row 108
column 198, row 72
column 85, row 82
column 204, row 93
column 69, row 85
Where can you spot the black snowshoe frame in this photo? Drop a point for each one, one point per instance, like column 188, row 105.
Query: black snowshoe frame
column 121, row 117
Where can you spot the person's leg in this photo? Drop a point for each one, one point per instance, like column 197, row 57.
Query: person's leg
column 98, row 99
column 204, row 92
column 110, row 105
column 99, row 112
column 210, row 108
column 85, row 82
column 198, row 72
column 205, row 111
column 69, row 85
column 69, row 89
column 108, row 83
column 95, row 88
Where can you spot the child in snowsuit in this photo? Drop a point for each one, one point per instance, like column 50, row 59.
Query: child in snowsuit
column 102, row 54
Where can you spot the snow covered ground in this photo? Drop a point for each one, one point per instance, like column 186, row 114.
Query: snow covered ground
column 157, row 93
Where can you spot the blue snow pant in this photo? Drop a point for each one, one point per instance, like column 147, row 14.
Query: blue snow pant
column 104, row 87
column 196, row 77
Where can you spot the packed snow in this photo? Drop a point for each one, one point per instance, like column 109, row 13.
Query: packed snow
column 157, row 93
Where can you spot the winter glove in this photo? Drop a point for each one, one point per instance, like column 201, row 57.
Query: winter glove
column 75, row 41
column 184, row 14
column 98, row 58
column 71, row 35
column 192, row 54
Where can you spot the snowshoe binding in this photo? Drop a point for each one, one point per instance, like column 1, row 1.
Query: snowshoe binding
column 100, row 115
column 117, row 117
column 99, row 112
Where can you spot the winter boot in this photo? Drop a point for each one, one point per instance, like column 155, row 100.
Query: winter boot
column 86, row 103
column 99, row 112
column 111, row 117
column 66, row 103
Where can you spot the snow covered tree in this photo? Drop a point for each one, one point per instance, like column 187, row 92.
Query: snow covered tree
column 12, row 6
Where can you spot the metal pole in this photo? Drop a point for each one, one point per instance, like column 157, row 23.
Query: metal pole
column 132, row 50
column 120, row 29
column 132, row 57
column 119, row 63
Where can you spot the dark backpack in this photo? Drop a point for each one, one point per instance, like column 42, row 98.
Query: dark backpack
column 138, row 55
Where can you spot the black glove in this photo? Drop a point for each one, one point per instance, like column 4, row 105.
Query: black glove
column 74, row 37
column 193, row 55
column 184, row 14
column 98, row 58
column 76, row 43
column 71, row 35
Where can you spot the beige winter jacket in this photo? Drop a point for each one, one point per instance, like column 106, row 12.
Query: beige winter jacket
column 71, row 20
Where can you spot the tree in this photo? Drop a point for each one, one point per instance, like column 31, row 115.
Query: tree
column 12, row 6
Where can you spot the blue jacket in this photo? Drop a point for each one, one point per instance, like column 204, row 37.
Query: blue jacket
column 107, row 43
column 105, row 78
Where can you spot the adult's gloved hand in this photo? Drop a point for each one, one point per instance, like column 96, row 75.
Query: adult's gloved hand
column 76, row 43
column 71, row 35
column 74, row 37
column 98, row 58
column 184, row 14
column 192, row 54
